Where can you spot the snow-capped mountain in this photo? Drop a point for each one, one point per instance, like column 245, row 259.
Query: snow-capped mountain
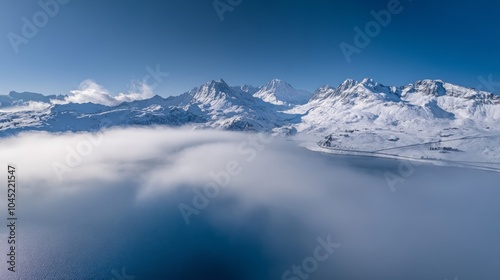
column 281, row 93
column 232, row 108
column 422, row 104
column 216, row 104
column 361, row 116
column 430, row 119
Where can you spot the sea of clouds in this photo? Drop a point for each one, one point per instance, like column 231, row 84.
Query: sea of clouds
column 162, row 203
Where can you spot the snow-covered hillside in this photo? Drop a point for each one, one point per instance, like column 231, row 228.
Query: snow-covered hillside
column 421, row 105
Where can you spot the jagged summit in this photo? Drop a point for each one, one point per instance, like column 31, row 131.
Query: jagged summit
column 277, row 84
column 280, row 92
column 427, row 87
column 348, row 83
column 218, row 85
column 213, row 90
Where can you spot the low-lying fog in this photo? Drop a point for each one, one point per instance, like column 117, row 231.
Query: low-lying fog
column 158, row 203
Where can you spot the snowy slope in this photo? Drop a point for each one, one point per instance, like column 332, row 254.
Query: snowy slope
column 233, row 108
column 426, row 103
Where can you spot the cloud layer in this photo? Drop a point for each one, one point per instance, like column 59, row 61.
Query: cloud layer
column 116, row 205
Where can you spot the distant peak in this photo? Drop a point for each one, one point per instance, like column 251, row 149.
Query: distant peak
column 429, row 82
column 430, row 87
column 217, row 82
column 368, row 81
column 348, row 83
column 156, row 96
column 326, row 87
column 221, row 81
column 276, row 84
column 280, row 92
column 212, row 90
column 219, row 85
column 248, row 89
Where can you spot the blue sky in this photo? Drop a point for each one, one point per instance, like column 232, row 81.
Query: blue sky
column 113, row 42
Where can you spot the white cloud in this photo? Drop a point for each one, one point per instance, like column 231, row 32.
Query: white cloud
column 90, row 91
column 139, row 91
column 127, row 188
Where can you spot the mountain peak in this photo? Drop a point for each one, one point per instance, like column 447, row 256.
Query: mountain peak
column 429, row 87
column 347, row 84
column 277, row 84
column 216, row 86
column 248, row 89
column 369, row 82
column 322, row 92
column 429, row 82
column 220, row 81
column 280, row 92
column 214, row 91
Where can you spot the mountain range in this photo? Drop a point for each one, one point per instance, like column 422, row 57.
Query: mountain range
column 274, row 106
column 355, row 115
